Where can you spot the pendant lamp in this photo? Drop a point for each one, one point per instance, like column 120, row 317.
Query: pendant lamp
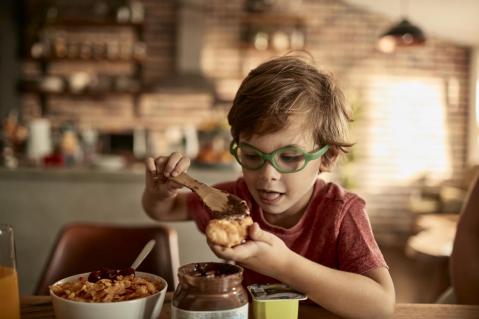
column 403, row 34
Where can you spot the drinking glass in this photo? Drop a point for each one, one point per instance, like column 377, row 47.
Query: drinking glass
column 9, row 296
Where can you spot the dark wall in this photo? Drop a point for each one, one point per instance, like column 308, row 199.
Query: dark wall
column 9, row 66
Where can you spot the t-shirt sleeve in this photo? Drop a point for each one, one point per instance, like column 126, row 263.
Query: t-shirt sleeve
column 357, row 249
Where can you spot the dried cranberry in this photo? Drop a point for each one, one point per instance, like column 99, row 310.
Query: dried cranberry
column 94, row 276
column 105, row 273
column 126, row 272
column 108, row 273
column 112, row 274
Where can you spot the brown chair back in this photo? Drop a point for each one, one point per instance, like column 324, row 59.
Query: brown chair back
column 84, row 247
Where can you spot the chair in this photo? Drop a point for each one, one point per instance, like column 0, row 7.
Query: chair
column 84, row 247
column 447, row 297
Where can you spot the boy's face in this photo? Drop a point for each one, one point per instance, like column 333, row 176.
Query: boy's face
column 280, row 194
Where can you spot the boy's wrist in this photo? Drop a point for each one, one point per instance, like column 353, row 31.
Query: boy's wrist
column 161, row 194
column 284, row 265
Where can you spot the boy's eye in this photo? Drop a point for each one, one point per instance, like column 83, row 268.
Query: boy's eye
column 291, row 157
column 251, row 156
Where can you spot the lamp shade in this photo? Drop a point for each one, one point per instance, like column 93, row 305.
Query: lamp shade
column 400, row 35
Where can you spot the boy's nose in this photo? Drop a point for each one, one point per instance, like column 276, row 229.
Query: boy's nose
column 268, row 172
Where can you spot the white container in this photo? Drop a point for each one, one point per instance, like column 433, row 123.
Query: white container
column 192, row 144
column 39, row 140
column 141, row 308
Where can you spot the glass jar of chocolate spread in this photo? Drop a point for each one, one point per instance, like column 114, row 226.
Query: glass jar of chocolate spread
column 210, row 291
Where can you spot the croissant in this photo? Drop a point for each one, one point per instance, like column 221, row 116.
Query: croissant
column 229, row 231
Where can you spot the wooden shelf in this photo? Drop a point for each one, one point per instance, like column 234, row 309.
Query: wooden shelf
column 85, row 94
column 249, row 47
column 79, row 59
column 272, row 19
column 95, row 53
column 74, row 23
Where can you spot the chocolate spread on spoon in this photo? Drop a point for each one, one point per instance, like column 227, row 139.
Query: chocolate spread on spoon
column 235, row 208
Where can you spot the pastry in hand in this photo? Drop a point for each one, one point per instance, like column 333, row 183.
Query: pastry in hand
column 228, row 231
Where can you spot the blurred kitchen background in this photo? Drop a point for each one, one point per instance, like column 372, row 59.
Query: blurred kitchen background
column 89, row 88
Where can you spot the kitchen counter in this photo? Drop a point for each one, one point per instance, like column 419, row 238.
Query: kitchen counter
column 95, row 174
column 38, row 202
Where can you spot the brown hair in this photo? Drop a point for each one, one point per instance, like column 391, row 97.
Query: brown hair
column 289, row 85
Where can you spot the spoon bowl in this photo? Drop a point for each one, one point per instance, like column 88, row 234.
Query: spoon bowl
column 220, row 203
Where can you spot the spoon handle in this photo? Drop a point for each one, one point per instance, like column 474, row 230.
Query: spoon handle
column 196, row 186
column 143, row 253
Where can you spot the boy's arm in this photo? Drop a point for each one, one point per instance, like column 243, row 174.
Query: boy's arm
column 161, row 198
column 165, row 209
column 350, row 295
column 465, row 255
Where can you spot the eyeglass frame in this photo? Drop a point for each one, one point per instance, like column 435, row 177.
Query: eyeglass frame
column 270, row 157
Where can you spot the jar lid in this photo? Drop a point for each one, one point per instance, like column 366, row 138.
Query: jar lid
column 210, row 272
column 274, row 292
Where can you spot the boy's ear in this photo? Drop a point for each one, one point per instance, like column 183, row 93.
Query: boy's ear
column 328, row 159
column 324, row 168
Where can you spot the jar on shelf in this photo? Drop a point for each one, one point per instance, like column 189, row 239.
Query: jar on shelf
column 210, row 290
column 137, row 11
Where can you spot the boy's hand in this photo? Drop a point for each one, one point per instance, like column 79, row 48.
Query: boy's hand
column 160, row 169
column 263, row 252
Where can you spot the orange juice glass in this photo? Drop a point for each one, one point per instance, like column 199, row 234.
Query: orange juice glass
column 9, row 296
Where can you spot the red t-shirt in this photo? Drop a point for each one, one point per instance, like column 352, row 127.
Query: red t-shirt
column 334, row 230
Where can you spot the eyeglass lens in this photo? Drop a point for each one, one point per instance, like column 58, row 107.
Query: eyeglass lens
column 287, row 159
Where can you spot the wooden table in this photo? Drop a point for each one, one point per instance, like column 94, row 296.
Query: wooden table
column 40, row 307
column 435, row 236
column 431, row 247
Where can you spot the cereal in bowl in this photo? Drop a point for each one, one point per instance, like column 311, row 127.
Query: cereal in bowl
column 107, row 285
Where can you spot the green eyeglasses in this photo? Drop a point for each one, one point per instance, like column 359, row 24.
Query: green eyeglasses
column 287, row 159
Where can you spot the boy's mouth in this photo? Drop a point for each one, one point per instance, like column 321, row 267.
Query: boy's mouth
column 269, row 197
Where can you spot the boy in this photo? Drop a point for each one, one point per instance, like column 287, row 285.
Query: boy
column 289, row 123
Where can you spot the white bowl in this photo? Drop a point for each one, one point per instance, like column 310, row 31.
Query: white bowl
column 141, row 308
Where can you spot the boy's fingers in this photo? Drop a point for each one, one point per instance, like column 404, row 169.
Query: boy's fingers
column 172, row 185
column 150, row 165
column 223, row 252
column 181, row 166
column 256, row 233
column 151, row 173
column 237, row 253
column 160, row 165
column 171, row 164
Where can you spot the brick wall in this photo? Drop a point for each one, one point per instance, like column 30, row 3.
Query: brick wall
column 341, row 39
column 160, row 38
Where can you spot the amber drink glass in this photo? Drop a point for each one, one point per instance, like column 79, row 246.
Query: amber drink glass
column 9, row 296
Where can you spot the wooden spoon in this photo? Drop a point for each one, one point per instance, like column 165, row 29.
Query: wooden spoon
column 220, row 203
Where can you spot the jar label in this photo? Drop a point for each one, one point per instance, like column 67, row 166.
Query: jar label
column 235, row 313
